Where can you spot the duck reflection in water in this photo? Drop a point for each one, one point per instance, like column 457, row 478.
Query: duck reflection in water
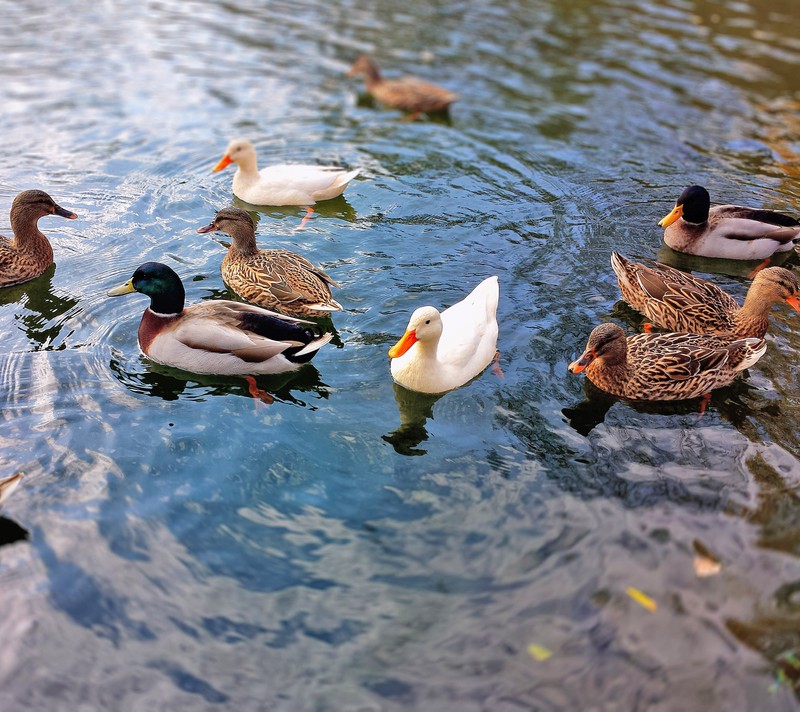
column 731, row 402
column 171, row 384
column 46, row 310
column 415, row 409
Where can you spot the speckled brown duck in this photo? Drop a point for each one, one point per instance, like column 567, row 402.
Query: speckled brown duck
column 678, row 301
column 272, row 278
column 663, row 366
column 727, row 231
column 405, row 93
column 28, row 253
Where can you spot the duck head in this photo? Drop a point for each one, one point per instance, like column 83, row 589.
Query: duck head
column 38, row 204
column 606, row 342
column 160, row 283
column 692, row 205
column 424, row 326
column 239, row 151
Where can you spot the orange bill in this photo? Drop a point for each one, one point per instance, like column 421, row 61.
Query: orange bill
column 580, row 365
column 677, row 212
column 225, row 161
column 407, row 340
column 794, row 302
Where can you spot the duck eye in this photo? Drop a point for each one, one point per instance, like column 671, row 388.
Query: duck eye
column 427, row 321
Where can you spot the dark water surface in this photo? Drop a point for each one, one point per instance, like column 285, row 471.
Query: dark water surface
column 354, row 546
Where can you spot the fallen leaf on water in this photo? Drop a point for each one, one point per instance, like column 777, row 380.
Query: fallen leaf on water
column 539, row 652
column 703, row 566
column 642, row 599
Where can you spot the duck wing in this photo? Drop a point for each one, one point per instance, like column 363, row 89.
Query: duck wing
column 251, row 333
column 735, row 222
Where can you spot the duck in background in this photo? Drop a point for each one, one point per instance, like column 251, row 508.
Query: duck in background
column 29, row 253
column 272, row 278
column 409, row 94
column 284, row 183
column 727, row 231
column 665, row 366
column 442, row 351
column 216, row 336
column 678, row 301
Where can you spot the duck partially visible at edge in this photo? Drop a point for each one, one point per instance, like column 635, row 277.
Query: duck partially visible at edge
column 727, row 231
column 28, row 253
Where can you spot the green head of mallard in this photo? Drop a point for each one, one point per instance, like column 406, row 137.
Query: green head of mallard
column 160, row 283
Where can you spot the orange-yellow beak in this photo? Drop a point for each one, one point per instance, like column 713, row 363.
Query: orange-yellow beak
column 224, row 162
column 677, row 212
column 580, row 365
column 407, row 340
column 794, row 302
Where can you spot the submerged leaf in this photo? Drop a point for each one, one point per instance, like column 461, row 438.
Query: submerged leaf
column 642, row 599
column 539, row 652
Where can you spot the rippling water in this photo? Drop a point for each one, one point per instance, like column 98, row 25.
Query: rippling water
column 354, row 546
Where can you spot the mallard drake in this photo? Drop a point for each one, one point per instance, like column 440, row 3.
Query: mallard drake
column 276, row 279
column 677, row 301
column 442, row 351
column 29, row 253
column 665, row 366
column 216, row 336
column 406, row 93
column 727, row 231
column 8, row 485
column 282, row 184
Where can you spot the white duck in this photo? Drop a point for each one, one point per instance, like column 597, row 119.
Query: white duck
column 282, row 184
column 442, row 351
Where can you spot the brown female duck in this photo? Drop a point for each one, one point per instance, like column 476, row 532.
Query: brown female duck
column 29, row 253
column 663, row 366
column 276, row 279
column 727, row 231
column 678, row 301
column 405, row 93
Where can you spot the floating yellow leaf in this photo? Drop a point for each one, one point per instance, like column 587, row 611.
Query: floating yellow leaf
column 704, row 566
column 539, row 652
column 642, row 599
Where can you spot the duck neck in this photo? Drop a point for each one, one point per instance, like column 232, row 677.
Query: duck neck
column 247, row 165
column 168, row 303
column 244, row 241
column 27, row 235
column 372, row 75
column 753, row 317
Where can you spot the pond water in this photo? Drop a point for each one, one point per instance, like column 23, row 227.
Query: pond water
column 353, row 546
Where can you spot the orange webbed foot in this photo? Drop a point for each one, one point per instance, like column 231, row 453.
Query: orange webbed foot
column 705, row 399
column 496, row 370
column 258, row 393
column 759, row 267
column 647, row 327
column 306, row 218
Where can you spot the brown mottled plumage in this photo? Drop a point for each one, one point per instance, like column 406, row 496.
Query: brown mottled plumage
column 405, row 93
column 29, row 253
column 663, row 366
column 677, row 301
column 276, row 278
